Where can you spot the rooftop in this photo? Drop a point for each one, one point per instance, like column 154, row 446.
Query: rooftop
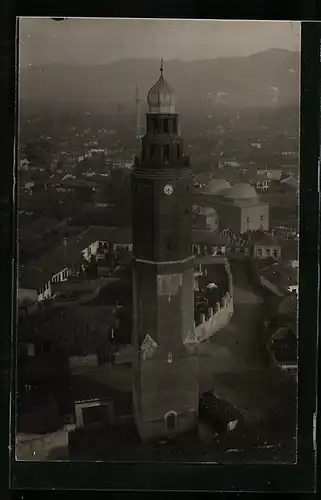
column 70, row 253
column 210, row 237
column 77, row 329
column 280, row 274
column 264, row 239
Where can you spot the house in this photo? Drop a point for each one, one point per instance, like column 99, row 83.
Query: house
column 71, row 257
column 81, row 334
column 264, row 246
column 206, row 242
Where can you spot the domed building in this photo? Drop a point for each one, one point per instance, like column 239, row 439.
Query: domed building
column 205, row 218
column 238, row 207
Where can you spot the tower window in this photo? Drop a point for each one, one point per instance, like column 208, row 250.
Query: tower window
column 178, row 151
column 171, row 421
column 155, row 125
column 165, row 126
column 175, row 125
column 261, row 217
column 152, row 151
column 166, row 153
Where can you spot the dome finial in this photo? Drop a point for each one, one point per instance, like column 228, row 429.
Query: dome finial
column 162, row 67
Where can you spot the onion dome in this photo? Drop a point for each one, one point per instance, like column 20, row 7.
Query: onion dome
column 161, row 98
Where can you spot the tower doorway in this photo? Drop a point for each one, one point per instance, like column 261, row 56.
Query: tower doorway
column 171, row 421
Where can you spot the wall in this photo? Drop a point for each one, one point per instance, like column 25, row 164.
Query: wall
column 38, row 447
column 91, row 250
column 168, row 387
column 255, row 212
column 229, row 217
column 266, row 251
column 45, row 292
column 215, row 320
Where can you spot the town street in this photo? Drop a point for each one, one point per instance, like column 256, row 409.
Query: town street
column 232, row 361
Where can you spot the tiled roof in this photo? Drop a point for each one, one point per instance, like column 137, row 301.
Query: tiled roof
column 81, row 286
column 77, row 329
column 264, row 239
column 64, row 256
column 210, row 237
column 37, row 227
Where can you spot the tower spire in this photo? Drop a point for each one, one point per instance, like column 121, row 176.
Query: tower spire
column 162, row 67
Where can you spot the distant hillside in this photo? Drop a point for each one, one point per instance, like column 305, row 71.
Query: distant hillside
column 262, row 79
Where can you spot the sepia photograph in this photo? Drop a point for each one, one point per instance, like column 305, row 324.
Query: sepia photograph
column 158, row 181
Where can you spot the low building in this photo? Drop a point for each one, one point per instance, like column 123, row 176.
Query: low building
column 81, row 333
column 207, row 242
column 264, row 246
column 71, row 257
column 239, row 207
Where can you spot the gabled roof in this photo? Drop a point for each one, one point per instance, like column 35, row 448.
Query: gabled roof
column 64, row 256
column 291, row 181
column 263, row 239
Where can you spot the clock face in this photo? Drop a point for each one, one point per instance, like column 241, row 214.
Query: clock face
column 168, row 189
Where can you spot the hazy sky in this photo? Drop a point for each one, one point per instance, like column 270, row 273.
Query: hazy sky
column 100, row 41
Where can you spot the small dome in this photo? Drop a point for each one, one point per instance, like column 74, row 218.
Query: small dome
column 241, row 190
column 215, row 186
column 161, row 98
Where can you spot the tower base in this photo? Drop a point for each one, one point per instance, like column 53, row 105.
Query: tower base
column 159, row 429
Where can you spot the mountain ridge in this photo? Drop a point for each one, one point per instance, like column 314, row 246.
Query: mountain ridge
column 246, row 80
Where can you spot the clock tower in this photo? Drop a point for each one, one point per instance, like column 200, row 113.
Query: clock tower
column 165, row 366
